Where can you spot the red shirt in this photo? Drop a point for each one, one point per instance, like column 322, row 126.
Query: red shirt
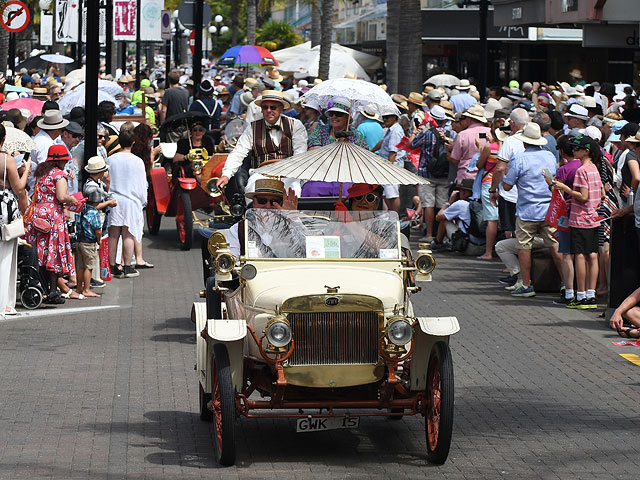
column 583, row 213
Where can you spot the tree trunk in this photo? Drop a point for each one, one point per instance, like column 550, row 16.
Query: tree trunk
column 316, row 19
column 327, row 37
column 394, row 9
column 410, row 73
column 252, row 16
column 4, row 50
column 235, row 21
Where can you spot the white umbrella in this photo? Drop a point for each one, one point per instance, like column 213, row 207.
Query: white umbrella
column 367, row 61
column 17, row 141
column 443, row 80
column 56, row 58
column 75, row 98
column 342, row 162
column 364, row 96
column 306, row 65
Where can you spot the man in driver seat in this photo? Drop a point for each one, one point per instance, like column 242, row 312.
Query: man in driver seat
column 273, row 137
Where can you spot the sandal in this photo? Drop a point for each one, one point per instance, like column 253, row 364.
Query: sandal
column 144, row 265
column 626, row 332
column 71, row 292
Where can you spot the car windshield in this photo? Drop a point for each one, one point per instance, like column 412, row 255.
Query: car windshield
column 321, row 235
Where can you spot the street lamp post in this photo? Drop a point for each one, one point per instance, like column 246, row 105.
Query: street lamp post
column 215, row 31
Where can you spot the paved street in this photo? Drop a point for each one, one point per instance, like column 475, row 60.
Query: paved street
column 111, row 394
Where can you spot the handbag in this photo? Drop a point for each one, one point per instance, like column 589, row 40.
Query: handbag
column 39, row 224
column 15, row 226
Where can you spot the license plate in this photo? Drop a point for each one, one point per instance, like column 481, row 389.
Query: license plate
column 328, row 423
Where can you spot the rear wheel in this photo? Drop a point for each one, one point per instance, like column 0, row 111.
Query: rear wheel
column 439, row 404
column 184, row 220
column 153, row 217
column 224, row 408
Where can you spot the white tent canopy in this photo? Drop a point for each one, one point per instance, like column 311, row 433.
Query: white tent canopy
column 306, row 65
column 366, row 61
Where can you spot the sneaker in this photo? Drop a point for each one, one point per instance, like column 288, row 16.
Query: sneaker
column 116, row 272
column 575, row 303
column 97, row 283
column 563, row 300
column 130, row 272
column 508, row 280
column 511, row 288
column 426, row 240
column 523, row 291
column 439, row 246
column 588, row 304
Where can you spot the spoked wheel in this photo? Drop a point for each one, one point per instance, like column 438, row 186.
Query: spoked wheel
column 224, row 408
column 31, row 298
column 153, row 217
column 205, row 414
column 439, row 404
column 184, row 220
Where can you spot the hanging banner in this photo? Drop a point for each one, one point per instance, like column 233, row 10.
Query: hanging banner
column 46, row 30
column 150, row 21
column 102, row 26
column 66, row 14
column 124, row 20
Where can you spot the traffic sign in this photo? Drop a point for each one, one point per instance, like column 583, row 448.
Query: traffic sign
column 192, row 42
column 14, row 16
column 187, row 13
column 165, row 25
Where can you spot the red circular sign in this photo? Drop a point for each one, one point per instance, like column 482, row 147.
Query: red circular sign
column 14, row 16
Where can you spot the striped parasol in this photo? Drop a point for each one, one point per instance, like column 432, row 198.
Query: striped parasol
column 342, row 162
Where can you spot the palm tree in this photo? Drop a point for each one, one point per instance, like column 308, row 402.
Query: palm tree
column 326, row 39
column 394, row 10
column 410, row 73
column 4, row 50
column 252, row 16
column 316, row 20
column 235, row 20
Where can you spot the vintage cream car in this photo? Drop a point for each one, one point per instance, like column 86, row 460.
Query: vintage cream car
column 313, row 320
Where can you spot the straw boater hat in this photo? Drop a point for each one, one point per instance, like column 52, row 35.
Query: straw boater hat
column 371, row 116
column 40, row 93
column 400, row 100
column 476, row 112
column 464, row 85
column 575, row 73
column 269, row 187
column 531, row 135
column 275, row 75
column 52, row 120
column 96, row 165
column 416, row 99
column 273, row 96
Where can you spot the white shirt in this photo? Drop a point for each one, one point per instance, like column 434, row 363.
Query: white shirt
column 245, row 145
column 509, row 149
column 254, row 112
column 43, row 141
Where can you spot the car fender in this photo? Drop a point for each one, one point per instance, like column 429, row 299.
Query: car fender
column 226, row 330
column 439, row 326
column 231, row 333
column 161, row 189
column 431, row 331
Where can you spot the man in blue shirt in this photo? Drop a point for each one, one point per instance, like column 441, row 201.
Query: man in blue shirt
column 462, row 101
column 526, row 171
column 371, row 129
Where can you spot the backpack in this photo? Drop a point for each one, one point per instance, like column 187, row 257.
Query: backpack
column 478, row 225
column 437, row 163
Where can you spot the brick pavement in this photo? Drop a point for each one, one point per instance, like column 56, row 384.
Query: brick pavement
column 540, row 391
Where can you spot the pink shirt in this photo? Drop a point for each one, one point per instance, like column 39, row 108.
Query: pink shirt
column 583, row 213
column 464, row 148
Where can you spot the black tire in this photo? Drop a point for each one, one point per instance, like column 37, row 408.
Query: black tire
column 206, row 415
column 153, row 217
column 186, row 240
column 438, row 421
column 214, row 299
column 31, row 298
column 224, row 406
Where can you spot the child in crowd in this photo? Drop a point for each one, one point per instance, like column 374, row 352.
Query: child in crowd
column 586, row 195
column 89, row 235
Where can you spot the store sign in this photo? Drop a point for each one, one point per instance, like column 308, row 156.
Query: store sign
column 611, row 36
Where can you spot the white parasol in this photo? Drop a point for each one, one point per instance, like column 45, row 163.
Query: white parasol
column 443, row 80
column 364, row 96
column 342, row 162
column 76, row 97
column 56, row 58
column 17, row 141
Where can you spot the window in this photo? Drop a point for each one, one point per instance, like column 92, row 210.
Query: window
column 569, row 6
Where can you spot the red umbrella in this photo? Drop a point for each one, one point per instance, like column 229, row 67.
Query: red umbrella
column 31, row 104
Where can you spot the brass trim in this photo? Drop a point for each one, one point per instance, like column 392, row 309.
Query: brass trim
column 215, row 242
column 317, row 303
column 428, row 270
column 333, row 376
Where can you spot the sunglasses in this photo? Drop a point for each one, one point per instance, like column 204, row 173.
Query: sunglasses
column 369, row 197
column 197, row 130
column 336, row 114
column 77, row 135
column 270, row 107
column 264, row 201
column 102, row 136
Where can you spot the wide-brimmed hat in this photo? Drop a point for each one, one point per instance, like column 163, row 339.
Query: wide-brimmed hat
column 359, row 189
column 435, row 95
column 577, row 111
column 39, row 92
column 275, row 75
column 416, row 99
column 572, row 92
column 438, row 113
column 531, row 135
column 312, row 104
column 476, row 112
column 58, row 153
column 246, row 98
column 267, row 187
column 502, row 133
column 516, row 94
column 96, row 165
column 341, row 105
column 52, row 120
column 75, row 128
column 249, row 83
column 15, row 116
column 464, row 85
column 273, row 96
column 400, row 100
column 588, row 102
column 635, row 138
column 371, row 116
column 575, row 73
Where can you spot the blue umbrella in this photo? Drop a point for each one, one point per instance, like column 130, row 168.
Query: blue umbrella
column 247, row 56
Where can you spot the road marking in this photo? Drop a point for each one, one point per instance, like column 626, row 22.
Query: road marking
column 59, row 311
column 632, row 357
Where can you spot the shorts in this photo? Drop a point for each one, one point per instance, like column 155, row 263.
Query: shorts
column 489, row 211
column 584, row 240
column 525, row 232
column 564, row 242
column 86, row 256
column 507, row 215
column 391, row 191
column 436, row 194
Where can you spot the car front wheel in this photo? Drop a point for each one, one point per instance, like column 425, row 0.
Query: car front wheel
column 439, row 404
column 224, row 408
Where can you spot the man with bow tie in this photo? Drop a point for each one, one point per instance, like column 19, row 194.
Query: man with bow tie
column 269, row 139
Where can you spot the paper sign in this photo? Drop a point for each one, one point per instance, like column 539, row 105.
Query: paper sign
column 124, row 20
column 66, row 21
column 46, row 29
column 388, row 253
column 323, row 247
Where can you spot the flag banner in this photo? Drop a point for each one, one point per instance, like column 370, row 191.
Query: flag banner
column 150, row 21
column 124, row 20
column 66, row 14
